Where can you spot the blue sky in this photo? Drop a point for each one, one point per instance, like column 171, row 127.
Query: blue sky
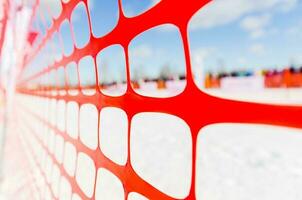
column 224, row 35
column 242, row 34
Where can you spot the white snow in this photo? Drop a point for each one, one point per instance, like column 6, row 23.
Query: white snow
column 113, row 141
column 234, row 161
column 108, row 186
column 237, row 161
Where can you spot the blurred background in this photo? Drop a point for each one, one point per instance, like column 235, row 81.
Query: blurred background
column 76, row 76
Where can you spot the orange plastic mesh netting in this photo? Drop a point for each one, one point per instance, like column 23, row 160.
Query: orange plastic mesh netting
column 40, row 123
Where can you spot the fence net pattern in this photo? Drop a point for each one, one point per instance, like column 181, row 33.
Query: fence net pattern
column 55, row 95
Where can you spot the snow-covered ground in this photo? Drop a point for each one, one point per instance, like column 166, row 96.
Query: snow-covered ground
column 234, row 161
column 238, row 161
column 292, row 96
column 249, row 162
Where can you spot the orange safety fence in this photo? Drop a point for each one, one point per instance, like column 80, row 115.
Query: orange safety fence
column 45, row 131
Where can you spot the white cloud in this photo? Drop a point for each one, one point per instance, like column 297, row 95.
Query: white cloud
column 142, row 51
column 256, row 25
column 221, row 12
column 288, row 6
column 167, row 28
column 294, row 31
column 130, row 11
column 242, row 61
column 295, row 59
column 199, row 57
column 154, row 2
column 257, row 49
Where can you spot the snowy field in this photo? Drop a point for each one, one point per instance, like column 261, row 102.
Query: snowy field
column 282, row 96
column 242, row 162
column 234, row 161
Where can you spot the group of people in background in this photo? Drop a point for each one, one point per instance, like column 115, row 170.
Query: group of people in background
column 288, row 77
